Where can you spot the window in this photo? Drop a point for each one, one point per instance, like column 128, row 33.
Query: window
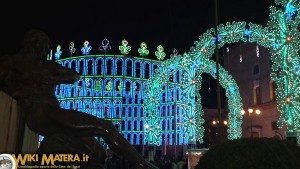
column 81, row 67
column 138, row 69
column 109, row 66
column 127, row 86
column 147, row 70
column 129, row 68
column 256, row 69
column 90, row 67
column 257, row 95
column 123, row 125
column 99, row 67
column 119, row 67
column 73, row 65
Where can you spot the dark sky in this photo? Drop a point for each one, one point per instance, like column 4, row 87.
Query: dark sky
column 171, row 23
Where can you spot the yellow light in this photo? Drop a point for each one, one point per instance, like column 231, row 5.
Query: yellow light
column 225, row 122
column 250, row 110
column 214, row 122
column 288, row 38
column 242, row 111
column 257, row 111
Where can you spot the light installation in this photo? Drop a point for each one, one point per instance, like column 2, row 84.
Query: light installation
column 184, row 74
column 124, row 49
column 281, row 37
column 160, row 54
column 143, row 51
column 285, row 57
column 86, row 49
column 71, row 48
column 110, row 87
column 58, row 52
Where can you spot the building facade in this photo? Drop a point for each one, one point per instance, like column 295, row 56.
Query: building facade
column 250, row 66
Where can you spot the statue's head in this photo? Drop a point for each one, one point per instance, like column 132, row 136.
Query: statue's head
column 37, row 43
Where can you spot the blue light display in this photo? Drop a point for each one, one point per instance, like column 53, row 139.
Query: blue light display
column 112, row 87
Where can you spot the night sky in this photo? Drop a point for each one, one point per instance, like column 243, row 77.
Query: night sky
column 170, row 23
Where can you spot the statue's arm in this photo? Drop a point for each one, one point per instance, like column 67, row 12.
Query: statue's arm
column 64, row 75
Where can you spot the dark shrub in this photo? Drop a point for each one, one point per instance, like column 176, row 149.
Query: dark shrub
column 256, row 153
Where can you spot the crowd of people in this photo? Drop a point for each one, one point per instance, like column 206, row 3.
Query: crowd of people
column 113, row 161
column 165, row 162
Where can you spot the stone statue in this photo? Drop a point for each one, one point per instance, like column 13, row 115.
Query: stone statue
column 31, row 79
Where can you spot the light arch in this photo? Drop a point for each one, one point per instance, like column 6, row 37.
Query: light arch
column 281, row 37
column 192, row 65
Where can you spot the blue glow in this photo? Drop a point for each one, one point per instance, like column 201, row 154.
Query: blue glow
column 58, row 52
column 247, row 33
column 196, row 64
column 231, row 90
column 112, row 87
column 219, row 39
column 290, row 10
column 275, row 45
column 215, row 71
column 86, row 48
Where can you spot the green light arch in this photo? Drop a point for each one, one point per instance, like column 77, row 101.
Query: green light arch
column 281, row 37
column 192, row 65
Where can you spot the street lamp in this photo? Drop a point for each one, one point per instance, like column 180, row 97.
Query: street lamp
column 250, row 114
column 224, row 123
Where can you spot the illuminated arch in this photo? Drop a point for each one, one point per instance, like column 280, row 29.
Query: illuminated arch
column 191, row 82
column 281, row 37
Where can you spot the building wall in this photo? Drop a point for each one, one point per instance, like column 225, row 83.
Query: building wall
column 240, row 61
column 16, row 137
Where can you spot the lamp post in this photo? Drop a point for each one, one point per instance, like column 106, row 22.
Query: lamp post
column 217, row 123
column 250, row 114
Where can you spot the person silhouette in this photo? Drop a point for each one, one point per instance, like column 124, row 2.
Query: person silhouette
column 31, row 79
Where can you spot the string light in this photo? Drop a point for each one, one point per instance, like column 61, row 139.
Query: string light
column 143, row 51
column 124, row 49
column 86, row 49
